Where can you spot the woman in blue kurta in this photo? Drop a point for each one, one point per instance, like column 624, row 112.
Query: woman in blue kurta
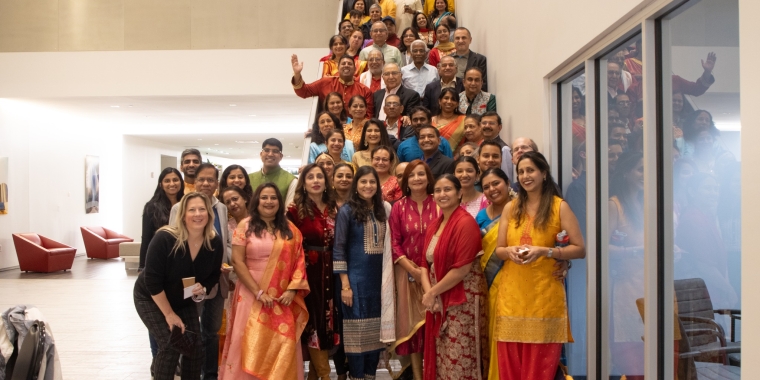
column 362, row 258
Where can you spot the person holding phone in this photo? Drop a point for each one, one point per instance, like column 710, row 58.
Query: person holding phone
column 190, row 248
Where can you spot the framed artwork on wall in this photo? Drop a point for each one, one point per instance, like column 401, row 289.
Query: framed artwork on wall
column 91, row 184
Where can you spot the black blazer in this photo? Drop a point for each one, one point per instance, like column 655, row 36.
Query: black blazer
column 479, row 61
column 409, row 99
column 433, row 91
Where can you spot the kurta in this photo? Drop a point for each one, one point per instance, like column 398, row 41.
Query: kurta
column 391, row 190
column 318, row 234
column 322, row 87
column 358, row 252
column 482, row 103
column 474, row 206
column 408, row 227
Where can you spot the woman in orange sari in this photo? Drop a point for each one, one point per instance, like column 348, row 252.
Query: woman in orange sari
column 268, row 310
column 450, row 122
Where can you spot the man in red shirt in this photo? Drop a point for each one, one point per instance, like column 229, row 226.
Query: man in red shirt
column 343, row 84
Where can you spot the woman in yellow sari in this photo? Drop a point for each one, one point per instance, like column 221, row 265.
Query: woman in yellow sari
column 268, row 310
column 450, row 122
column 529, row 314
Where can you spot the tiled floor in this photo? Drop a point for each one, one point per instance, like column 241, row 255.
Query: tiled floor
column 92, row 316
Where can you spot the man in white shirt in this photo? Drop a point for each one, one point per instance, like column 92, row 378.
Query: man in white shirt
column 419, row 74
column 379, row 34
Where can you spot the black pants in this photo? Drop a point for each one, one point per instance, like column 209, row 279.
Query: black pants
column 165, row 362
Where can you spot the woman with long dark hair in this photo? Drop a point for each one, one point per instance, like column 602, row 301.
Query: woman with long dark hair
column 334, row 105
column 424, row 29
column 324, row 124
column 313, row 212
column 454, row 290
column 449, row 121
column 169, row 190
column 362, row 258
column 236, row 175
column 268, row 309
column 440, row 10
column 467, row 171
column 373, row 135
column 445, row 46
column 530, row 317
column 343, row 176
column 409, row 220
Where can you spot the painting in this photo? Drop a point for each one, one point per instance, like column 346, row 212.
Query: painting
column 91, row 184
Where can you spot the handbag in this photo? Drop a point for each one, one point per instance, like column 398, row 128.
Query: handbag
column 183, row 343
column 30, row 354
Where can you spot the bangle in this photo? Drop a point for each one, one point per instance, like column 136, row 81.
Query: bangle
column 258, row 295
column 347, row 288
column 559, row 253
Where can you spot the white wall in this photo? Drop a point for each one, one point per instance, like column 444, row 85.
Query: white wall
column 46, row 148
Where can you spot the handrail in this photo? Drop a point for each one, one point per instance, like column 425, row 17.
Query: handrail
column 315, row 101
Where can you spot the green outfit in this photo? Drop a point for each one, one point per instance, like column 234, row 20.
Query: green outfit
column 278, row 176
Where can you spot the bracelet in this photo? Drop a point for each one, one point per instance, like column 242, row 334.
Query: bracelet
column 347, row 288
column 559, row 253
column 258, row 295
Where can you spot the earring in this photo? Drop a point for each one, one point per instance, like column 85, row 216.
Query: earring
column 544, row 178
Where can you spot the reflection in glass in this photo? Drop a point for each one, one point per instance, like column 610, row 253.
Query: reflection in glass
column 574, row 181
column 706, row 183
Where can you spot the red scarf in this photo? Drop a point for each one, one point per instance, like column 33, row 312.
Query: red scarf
column 458, row 245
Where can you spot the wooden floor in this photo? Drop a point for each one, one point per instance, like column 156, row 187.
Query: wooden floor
column 92, row 316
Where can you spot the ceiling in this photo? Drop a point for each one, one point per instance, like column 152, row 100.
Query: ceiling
column 225, row 126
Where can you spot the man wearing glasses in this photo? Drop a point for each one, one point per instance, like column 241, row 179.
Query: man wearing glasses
column 379, row 34
column 271, row 155
column 373, row 78
column 392, row 78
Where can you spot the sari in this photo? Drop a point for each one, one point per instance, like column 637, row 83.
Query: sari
column 264, row 343
column 491, row 265
column 354, row 134
column 453, row 132
column 455, row 337
column 440, row 51
column 391, row 190
column 330, row 68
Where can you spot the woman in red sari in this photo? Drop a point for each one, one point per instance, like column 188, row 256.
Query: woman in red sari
column 313, row 212
column 455, row 290
column 268, row 309
column 450, row 122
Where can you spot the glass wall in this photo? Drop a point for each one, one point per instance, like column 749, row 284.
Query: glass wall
column 572, row 176
column 622, row 233
column 701, row 132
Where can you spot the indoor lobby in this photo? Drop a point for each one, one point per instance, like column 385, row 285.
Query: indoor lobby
column 98, row 97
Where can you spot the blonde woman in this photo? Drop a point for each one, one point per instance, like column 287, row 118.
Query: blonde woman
column 189, row 248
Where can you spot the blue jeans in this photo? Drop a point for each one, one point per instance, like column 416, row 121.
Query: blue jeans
column 211, row 322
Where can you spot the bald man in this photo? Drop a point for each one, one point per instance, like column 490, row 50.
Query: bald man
column 392, row 78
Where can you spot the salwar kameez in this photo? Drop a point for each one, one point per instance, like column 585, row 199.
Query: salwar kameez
column 360, row 249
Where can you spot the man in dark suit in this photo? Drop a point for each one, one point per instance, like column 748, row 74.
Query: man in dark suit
column 467, row 58
column 447, row 70
column 392, row 79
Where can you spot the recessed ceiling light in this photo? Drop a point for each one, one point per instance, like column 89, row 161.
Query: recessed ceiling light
column 114, row 106
column 233, row 105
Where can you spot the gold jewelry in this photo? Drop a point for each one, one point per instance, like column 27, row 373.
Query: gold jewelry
column 348, row 288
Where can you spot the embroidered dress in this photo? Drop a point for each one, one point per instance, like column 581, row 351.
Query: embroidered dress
column 482, row 103
column 530, row 308
column 263, row 343
column 408, row 227
column 318, row 234
column 474, row 206
column 391, row 190
column 455, row 339
column 362, row 251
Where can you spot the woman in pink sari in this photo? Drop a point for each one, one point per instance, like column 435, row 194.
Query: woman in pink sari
column 268, row 310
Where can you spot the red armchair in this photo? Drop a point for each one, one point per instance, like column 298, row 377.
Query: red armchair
column 102, row 243
column 37, row 253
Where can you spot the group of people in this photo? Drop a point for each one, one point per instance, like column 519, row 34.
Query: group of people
column 413, row 230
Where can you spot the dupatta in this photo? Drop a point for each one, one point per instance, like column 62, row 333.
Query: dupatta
column 489, row 262
column 458, row 245
column 453, row 132
column 272, row 335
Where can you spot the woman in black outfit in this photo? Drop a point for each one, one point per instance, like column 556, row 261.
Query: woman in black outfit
column 189, row 248
column 170, row 190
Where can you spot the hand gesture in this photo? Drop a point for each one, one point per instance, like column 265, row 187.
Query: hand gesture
column 287, row 297
column 297, row 66
column 347, row 296
column 174, row 320
column 532, row 254
column 428, row 300
column 513, row 253
column 709, row 64
column 406, row 121
column 266, row 300
column 560, row 272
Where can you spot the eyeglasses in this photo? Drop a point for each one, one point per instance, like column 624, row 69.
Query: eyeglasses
column 379, row 31
column 391, row 73
column 392, row 104
column 375, row 60
column 272, row 151
column 344, row 27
